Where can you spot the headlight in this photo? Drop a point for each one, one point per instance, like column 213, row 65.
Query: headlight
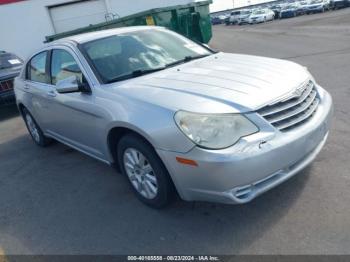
column 214, row 131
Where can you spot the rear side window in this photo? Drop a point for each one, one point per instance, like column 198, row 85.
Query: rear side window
column 37, row 68
column 63, row 66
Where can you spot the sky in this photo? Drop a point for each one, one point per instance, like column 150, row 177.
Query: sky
column 219, row 5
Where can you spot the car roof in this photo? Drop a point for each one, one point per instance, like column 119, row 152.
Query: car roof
column 86, row 37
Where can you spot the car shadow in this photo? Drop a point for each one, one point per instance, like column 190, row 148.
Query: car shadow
column 7, row 112
column 56, row 200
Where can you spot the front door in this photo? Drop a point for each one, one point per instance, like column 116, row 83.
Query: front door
column 73, row 116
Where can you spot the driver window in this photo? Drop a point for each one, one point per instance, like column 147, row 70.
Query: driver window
column 63, row 66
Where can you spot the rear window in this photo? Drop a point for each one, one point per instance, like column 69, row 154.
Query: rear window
column 8, row 60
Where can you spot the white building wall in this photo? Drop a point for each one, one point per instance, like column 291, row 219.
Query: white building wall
column 223, row 5
column 241, row 3
column 24, row 24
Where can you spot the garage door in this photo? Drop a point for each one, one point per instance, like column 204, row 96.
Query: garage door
column 77, row 14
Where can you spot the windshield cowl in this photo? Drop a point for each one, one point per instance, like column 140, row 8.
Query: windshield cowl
column 140, row 72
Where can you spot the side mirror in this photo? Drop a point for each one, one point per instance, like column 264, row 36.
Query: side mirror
column 69, row 85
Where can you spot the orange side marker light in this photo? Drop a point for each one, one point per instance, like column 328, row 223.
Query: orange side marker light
column 186, row 161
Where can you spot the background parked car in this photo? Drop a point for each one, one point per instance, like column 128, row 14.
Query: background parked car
column 304, row 6
column 261, row 16
column 234, row 16
column 276, row 9
column 216, row 20
column 243, row 18
column 336, row 4
column 223, row 18
column 10, row 66
column 291, row 10
column 301, row 7
column 317, row 6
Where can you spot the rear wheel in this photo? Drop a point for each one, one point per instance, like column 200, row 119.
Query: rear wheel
column 145, row 171
column 34, row 130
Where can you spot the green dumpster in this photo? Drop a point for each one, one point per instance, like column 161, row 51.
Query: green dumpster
column 191, row 20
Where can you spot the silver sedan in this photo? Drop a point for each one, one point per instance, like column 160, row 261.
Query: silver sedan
column 174, row 116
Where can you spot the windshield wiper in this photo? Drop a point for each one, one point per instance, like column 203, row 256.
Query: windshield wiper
column 186, row 59
column 141, row 72
column 135, row 73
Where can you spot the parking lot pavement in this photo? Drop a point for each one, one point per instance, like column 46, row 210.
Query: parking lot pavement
column 58, row 201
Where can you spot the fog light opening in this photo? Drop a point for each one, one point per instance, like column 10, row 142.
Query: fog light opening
column 244, row 192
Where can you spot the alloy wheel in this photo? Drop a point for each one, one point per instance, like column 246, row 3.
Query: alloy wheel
column 32, row 128
column 140, row 173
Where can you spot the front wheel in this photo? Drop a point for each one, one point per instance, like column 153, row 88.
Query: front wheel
column 145, row 171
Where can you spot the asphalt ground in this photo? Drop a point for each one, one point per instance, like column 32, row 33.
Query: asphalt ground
column 59, row 201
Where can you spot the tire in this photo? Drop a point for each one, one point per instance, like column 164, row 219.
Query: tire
column 150, row 179
column 34, row 130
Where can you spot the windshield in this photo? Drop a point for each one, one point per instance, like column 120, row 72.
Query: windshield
column 288, row 7
column 118, row 57
column 8, row 60
column 245, row 12
column 316, row 1
column 259, row 12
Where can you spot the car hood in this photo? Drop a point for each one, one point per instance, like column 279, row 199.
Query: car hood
column 315, row 5
column 288, row 10
column 218, row 83
column 257, row 16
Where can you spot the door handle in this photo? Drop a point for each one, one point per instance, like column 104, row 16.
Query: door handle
column 51, row 93
column 26, row 86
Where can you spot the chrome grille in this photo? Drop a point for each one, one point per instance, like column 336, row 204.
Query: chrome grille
column 291, row 113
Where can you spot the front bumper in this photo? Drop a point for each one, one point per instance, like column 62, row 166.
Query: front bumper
column 254, row 165
column 256, row 20
column 287, row 14
column 243, row 20
column 315, row 9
